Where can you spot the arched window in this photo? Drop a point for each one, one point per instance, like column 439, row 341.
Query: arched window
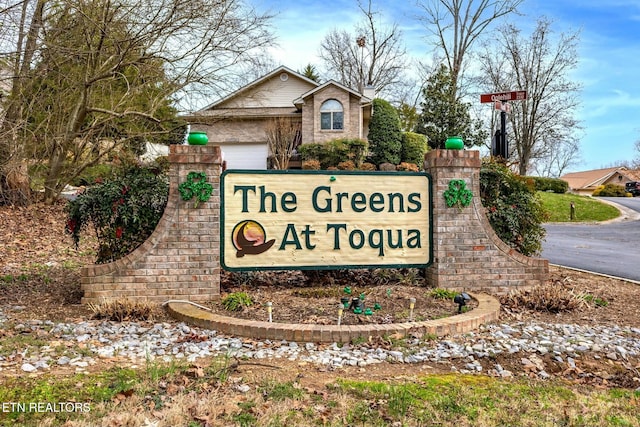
column 331, row 115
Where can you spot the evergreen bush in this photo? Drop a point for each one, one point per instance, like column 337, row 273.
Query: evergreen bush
column 555, row 185
column 414, row 147
column 333, row 152
column 310, row 151
column 513, row 209
column 385, row 136
column 123, row 210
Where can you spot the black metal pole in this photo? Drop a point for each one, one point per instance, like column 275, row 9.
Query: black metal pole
column 504, row 149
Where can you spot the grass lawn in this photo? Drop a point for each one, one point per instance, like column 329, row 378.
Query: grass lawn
column 586, row 208
column 174, row 395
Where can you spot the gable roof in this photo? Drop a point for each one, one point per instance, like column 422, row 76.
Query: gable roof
column 592, row 178
column 258, row 82
column 363, row 99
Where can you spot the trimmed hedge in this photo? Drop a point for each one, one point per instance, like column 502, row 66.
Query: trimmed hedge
column 610, row 190
column 414, row 146
column 385, row 136
column 332, row 153
column 555, row 185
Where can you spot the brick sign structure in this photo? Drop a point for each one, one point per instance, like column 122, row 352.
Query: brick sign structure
column 181, row 259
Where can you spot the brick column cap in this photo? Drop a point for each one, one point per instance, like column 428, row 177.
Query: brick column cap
column 453, row 158
column 195, row 154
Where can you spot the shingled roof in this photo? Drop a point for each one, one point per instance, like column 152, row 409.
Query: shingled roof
column 591, row 179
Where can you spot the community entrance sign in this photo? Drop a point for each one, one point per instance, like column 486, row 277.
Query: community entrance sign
column 325, row 220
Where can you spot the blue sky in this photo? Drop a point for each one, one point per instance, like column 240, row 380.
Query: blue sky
column 609, row 50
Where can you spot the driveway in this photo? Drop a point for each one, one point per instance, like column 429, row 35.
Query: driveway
column 610, row 248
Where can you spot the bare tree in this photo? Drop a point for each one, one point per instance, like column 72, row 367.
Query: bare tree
column 636, row 160
column 281, row 134
column 373, row 55
column 91, row 76
column 25, row 17
column 558, row 159
column 457, row 25
column 544, row 126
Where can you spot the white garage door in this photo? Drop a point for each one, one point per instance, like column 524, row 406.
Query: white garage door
column 245, row 156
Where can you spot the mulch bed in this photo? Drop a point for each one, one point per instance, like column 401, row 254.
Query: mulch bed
column 314, row 297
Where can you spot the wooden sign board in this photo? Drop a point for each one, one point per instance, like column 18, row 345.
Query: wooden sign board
column 314, row 220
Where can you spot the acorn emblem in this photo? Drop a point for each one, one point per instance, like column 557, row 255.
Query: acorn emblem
column 249, row 238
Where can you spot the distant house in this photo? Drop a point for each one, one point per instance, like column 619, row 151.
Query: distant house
column 324, row 111
column 587, row 181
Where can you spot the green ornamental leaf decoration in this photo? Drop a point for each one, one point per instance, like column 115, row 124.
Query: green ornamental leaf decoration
column 458, row 194
column 196, row 186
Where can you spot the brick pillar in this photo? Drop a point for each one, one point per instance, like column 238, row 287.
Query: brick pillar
column 181, row 258
column 467, row 253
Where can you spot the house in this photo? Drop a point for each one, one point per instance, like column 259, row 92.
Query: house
column 586, row 182
column 324, row 112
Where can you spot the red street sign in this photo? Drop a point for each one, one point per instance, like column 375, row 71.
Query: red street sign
column 504, row 96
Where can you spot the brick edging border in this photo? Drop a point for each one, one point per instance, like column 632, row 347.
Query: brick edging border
column 488, row 310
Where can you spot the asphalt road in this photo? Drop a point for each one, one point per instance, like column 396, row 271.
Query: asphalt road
column 610, row 248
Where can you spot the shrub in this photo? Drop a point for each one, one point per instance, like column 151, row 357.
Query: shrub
column 513, row 209
column 123, row 211
column 346, row 165
column 311, row 165
column 310, row 151
column 555, row 185
column 610, row 190
column 236, row 301
column 546, row 298
column 335, row 151
column 414, row 146
column 408, row 167
column 358, row 149
column 368, row 167
column 441, row 293
column 387, row 167
column 123, row 310
column 385, row 136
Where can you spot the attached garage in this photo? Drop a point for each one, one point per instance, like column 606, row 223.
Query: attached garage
column 245, row 156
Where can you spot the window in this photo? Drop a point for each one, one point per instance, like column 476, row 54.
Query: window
column 331, row 115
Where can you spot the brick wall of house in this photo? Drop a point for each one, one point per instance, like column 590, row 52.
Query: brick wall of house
column 245, row 130
column 467, row 253
column 235, row 130
column 351, row 121
column 181, row 259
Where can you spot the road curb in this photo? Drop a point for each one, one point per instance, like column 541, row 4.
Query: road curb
column 609, row 276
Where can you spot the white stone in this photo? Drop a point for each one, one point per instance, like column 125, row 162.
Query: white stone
column 28, row 367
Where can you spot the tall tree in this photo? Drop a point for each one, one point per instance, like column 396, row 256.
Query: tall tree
column 457, row 25
column 441, row 118
column 544, row 125
column 20, row 24
column 94, row 75
column 311, row 73
column 373, row 55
